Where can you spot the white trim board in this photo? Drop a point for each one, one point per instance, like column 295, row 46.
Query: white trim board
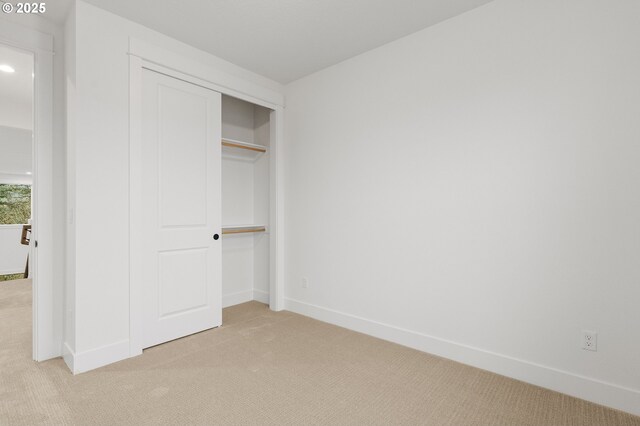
column 260, row 296
column 80, row 362
column 217, row 80
column 586, row 388
column 244, row 297
column 68, row 356
column 236, row 298
column 276, row 211
column 21, row 37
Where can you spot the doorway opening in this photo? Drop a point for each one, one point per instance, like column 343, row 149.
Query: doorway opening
column 16, row 199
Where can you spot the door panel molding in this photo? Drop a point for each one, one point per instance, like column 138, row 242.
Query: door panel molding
column 181, row 132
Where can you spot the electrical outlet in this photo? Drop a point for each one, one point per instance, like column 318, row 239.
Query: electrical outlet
column 589, row 340
column 304, row 282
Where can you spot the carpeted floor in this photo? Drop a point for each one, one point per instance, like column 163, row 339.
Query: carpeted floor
column 263, row 367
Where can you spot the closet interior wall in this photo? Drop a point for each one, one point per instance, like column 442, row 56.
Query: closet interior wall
column 245, row 202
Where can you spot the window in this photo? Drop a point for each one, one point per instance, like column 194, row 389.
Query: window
column 15, row 204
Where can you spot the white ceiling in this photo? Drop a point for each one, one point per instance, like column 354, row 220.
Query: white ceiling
column 285, row 39
column 16, row 89
column 57, row 10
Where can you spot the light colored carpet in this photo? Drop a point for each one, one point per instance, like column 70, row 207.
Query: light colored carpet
column 263, row 367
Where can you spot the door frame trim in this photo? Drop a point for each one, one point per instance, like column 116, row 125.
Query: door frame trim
column 143, row 55
column 47, row 309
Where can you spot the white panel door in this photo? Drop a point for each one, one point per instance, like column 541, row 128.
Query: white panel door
column 181, row 177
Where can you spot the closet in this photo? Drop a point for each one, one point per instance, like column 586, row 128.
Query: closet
column 246, row 132
column 201, row 202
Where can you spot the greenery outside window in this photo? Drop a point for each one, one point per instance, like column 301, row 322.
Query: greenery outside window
column 15, row 204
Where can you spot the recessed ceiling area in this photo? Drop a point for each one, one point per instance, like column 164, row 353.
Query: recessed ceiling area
column 287, row 39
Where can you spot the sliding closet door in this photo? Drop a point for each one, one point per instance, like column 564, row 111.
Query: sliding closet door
column 181, row 178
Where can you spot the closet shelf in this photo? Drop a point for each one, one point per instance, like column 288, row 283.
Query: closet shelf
column 230, row 143
column 244, row 229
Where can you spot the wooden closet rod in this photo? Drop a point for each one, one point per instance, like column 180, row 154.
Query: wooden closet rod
column 243, row 230
column 242, row 146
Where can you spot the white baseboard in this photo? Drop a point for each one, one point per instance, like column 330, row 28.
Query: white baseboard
column 237, row 298
column 68, row 355
column 95, row 358
column 244, row 296
column 261, row 296
column 586, row 388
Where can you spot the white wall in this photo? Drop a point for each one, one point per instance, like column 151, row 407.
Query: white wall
column 19, row 115
column 473, row 190
column 13, row 255
column 100, row 175
column 237, row 209
column 16, row 88
column 16, row 159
